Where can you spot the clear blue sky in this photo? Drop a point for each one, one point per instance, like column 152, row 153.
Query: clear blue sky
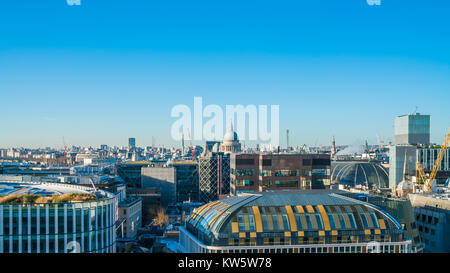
column 108, row 70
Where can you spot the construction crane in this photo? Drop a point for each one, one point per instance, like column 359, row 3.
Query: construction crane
column 420, row 173
column 192, row 147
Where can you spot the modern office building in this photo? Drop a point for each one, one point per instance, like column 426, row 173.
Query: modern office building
column 131, row 143
column 397, row 156
column 186, row 182
column 261, row 172
column 178, row 182
column 130, row 172
column 427, row 156
column 56, row 218
column 412, row 129
column 308, row 221
column 214, row 176
column 432, row 214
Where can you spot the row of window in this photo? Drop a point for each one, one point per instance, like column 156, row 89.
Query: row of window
column 404, row 248
column 98, row 241
column 276, row 218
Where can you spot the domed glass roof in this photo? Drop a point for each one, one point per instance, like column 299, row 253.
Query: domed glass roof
column 354, row 173
column 293, row 214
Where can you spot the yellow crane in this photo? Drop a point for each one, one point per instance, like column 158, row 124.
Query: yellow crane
column 420, row 173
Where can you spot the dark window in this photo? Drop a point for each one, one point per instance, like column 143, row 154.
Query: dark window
column 245, row 161
column 307, row 162
column 321, row 161
column 267, row 162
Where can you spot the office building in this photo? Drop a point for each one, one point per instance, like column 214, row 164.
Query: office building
column 214, row 176
column 432, row 214
column 412, row 129
column 261, row 172
column 427, row 156
column 178, row 182
column 131, row 143
column 56, row 218
column 130, row 172
column 130, row 217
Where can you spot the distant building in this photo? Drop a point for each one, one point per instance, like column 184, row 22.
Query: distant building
column 210, row 145
column 130, row 172
column 412, row 129
column 260, row 172
column 131, row 143
column 397, row 162
column 230, row 143
column 427, row 156
column 314, row 221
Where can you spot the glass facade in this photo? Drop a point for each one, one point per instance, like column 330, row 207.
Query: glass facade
column 59, row 227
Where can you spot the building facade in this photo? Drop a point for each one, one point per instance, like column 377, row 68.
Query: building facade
column 433, row 221
column 261, row 172
column 130, row 217
column 187, row 181
column 62, row 227
column 427, row 156
column 214, row 176
column 412, row 129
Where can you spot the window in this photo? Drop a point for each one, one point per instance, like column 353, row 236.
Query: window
column 332, row 224
column 321, row 161
column 319, row 221
column 245, row 161
column 266, row 173
column 287, row 173
column 308, row 221
column 249, row 172
column 251, row 219
column 363, row 218
column 267, row 162
column 286, row 183
column 320, row 171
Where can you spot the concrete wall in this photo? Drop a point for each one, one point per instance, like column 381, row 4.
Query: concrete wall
column 162, row 179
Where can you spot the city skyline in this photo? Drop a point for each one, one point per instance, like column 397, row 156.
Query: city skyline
column 102, row 72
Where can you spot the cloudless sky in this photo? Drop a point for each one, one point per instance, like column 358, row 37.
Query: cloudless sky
column 104, row 71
